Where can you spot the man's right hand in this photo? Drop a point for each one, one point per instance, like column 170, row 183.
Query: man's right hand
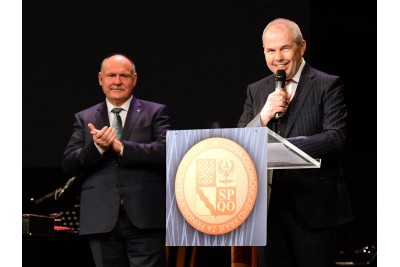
column 276, row 102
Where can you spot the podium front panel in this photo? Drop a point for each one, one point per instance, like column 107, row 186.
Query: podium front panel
column 217, row 187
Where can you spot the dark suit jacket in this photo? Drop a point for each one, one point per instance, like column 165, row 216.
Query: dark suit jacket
column 138, row 177
column 317, row 125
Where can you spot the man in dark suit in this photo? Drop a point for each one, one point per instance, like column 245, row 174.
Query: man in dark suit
column 306, row 205
column 122, row 208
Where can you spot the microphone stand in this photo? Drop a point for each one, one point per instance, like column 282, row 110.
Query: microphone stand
column 56, row 193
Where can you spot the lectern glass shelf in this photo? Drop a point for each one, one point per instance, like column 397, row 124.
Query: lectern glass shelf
column 284, row 155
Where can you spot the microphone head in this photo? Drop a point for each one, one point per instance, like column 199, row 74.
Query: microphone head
column 280, row 75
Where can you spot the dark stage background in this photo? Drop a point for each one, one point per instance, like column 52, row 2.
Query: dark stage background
column 198, row 58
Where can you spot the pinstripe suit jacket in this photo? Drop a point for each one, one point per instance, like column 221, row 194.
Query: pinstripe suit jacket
column 138, row 177
column 317, row 125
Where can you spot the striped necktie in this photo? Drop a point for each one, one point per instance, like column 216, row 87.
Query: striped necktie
column 117, row 123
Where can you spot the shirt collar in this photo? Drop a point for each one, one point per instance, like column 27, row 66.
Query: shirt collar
column 124, row 106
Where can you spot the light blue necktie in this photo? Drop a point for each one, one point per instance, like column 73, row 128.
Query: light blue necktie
column 117, row 123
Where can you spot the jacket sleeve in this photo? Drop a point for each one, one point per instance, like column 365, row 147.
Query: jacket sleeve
column 79, row 155
column 332, row 134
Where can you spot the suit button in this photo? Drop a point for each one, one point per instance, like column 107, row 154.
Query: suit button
column 116, row 164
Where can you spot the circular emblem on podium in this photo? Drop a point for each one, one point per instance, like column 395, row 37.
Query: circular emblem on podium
column 216, row 186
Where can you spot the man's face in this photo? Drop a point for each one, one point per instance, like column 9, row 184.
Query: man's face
column 117, row 78
column 281, row 52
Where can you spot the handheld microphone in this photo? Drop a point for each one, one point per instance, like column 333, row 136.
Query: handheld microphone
column 280, row 79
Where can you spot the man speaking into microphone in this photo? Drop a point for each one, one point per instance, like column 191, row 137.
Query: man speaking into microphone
column 307, row 107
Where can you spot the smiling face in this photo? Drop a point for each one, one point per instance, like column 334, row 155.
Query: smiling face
column 118, row 78
column 281, row 51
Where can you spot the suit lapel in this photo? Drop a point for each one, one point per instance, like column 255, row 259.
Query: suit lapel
column 134, row 111
column 270, row 87
column 304, row 87
column 102, row 116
